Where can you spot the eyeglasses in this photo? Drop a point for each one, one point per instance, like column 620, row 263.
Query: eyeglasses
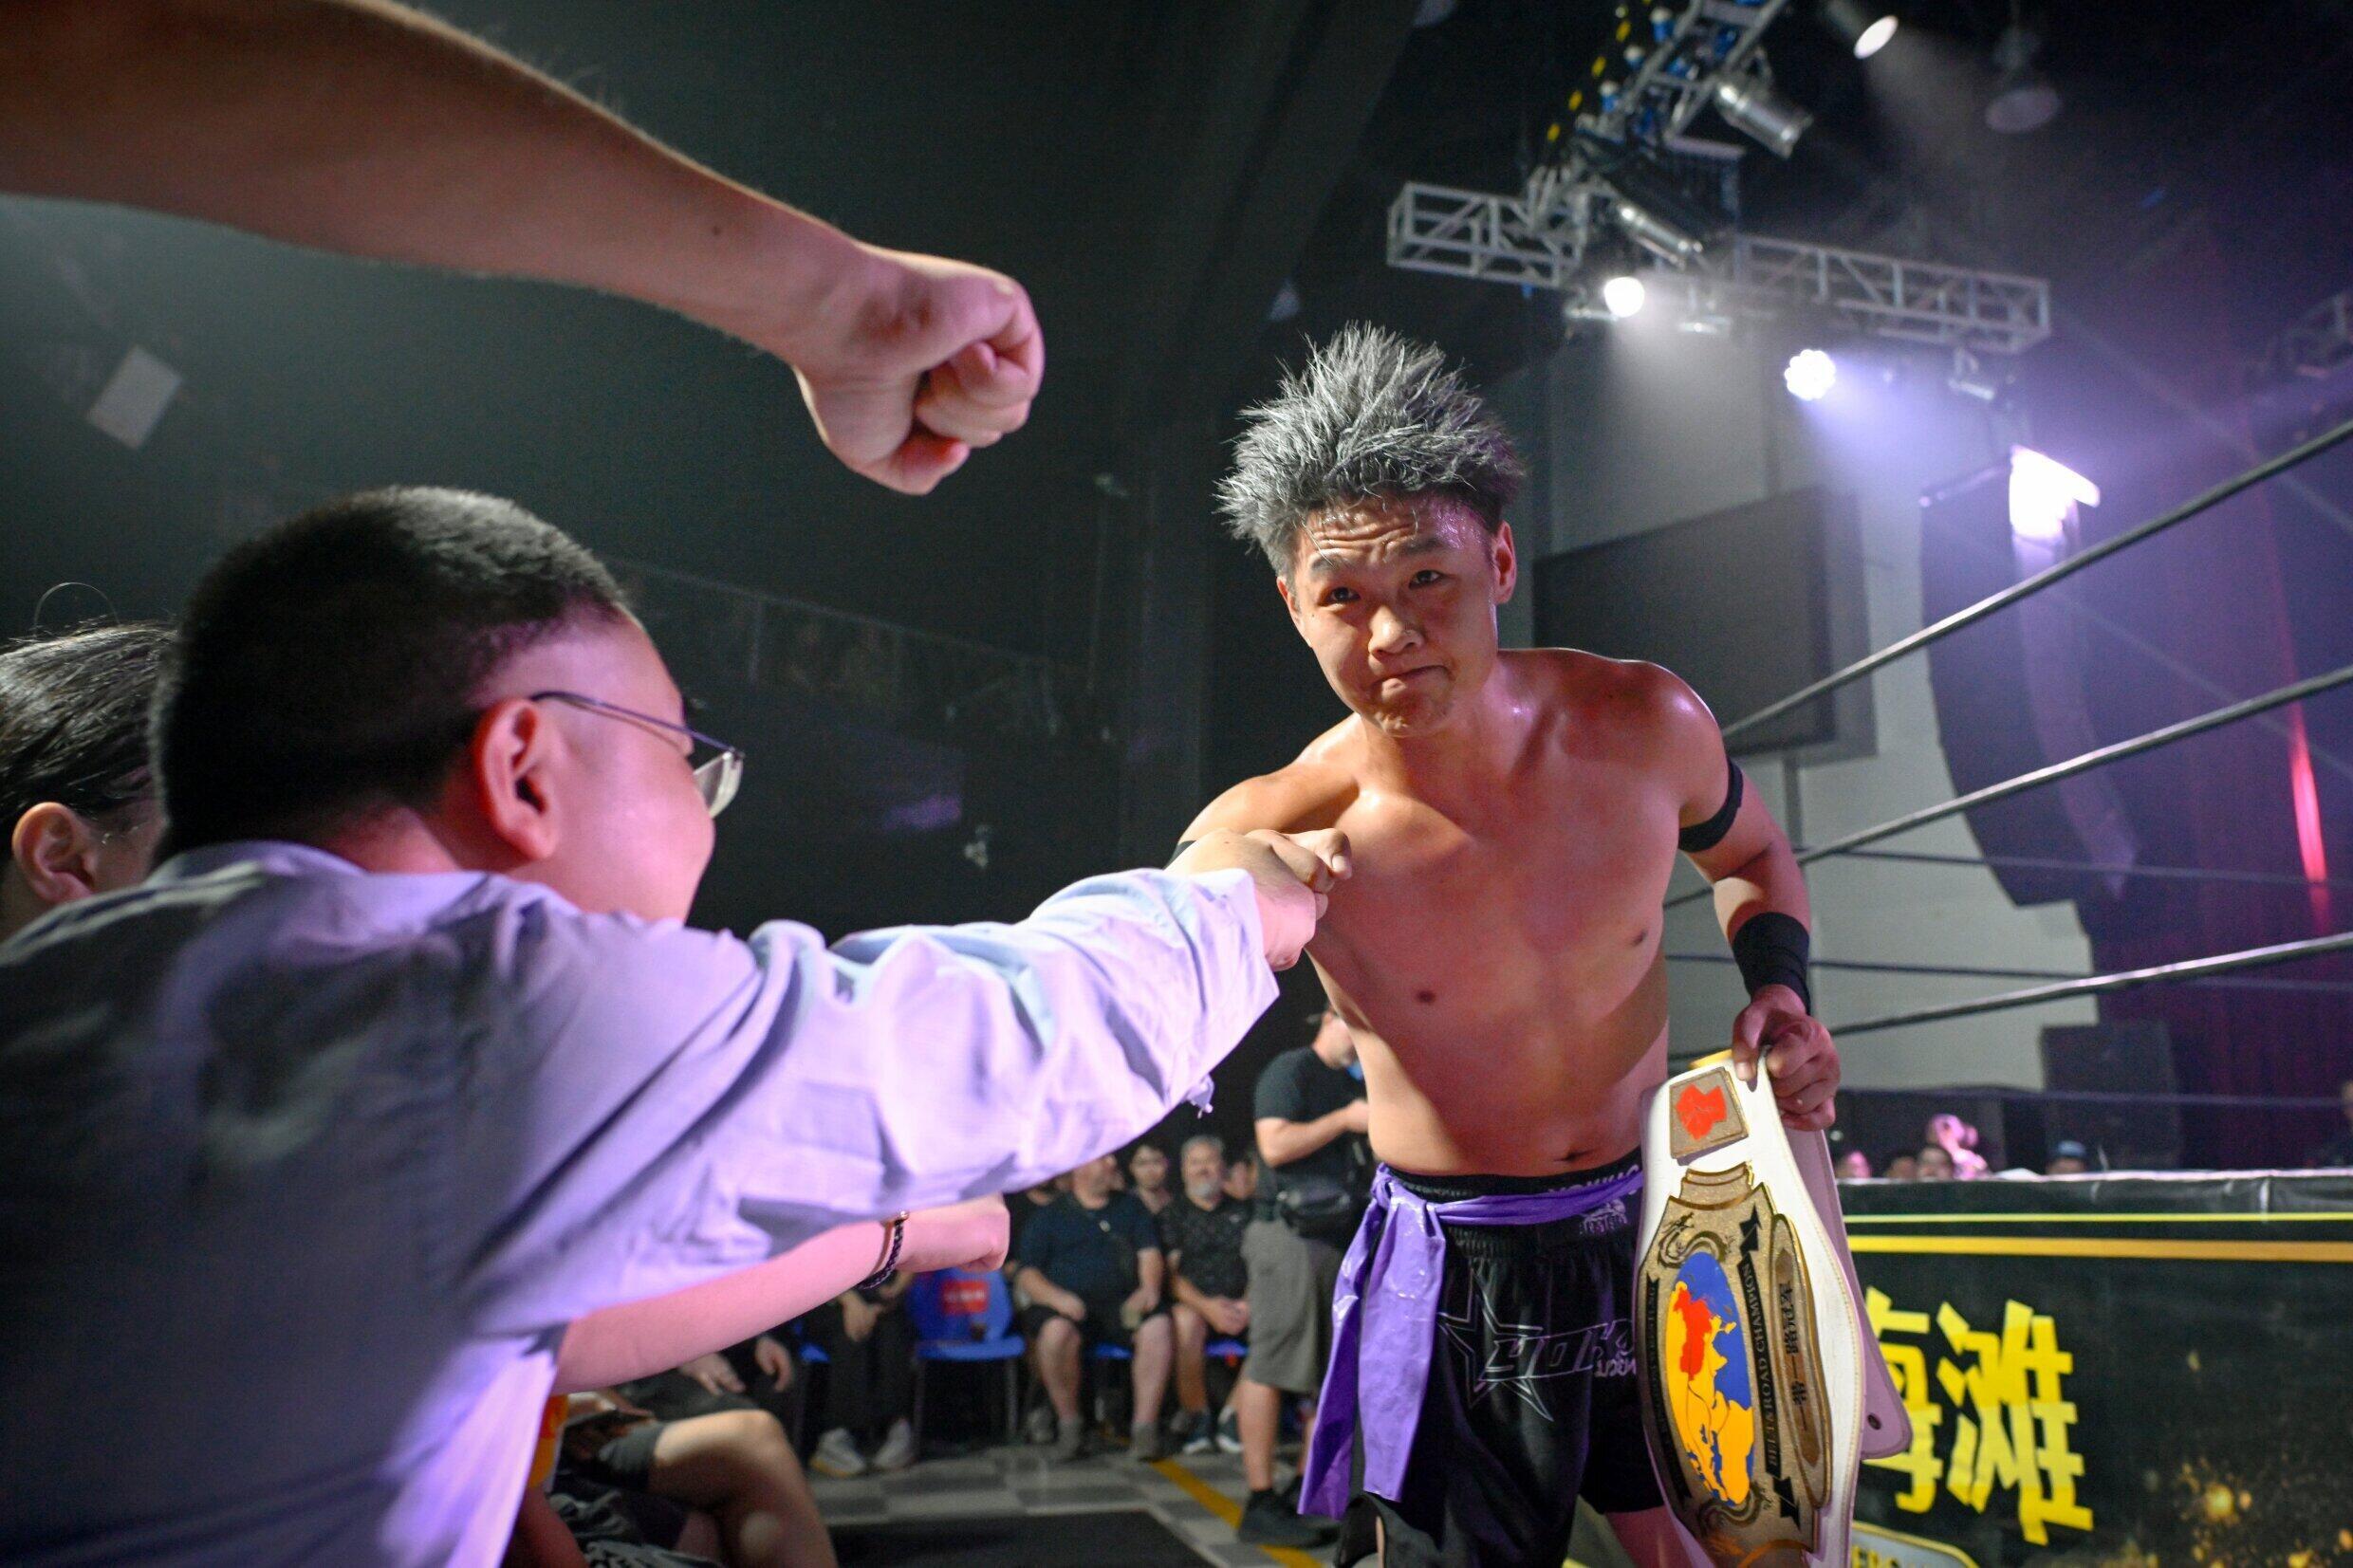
column 717, row 776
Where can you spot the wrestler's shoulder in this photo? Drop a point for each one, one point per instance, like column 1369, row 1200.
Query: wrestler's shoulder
column 1312, row 790
column 1632, row 692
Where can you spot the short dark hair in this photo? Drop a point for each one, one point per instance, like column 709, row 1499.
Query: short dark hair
column 1371, row 414
column 332, row 664
column 73, row 718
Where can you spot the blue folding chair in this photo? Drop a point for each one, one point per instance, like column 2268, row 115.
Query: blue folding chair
column 955, row 1324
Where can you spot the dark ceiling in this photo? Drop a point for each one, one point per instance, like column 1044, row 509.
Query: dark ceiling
column 2192, row 115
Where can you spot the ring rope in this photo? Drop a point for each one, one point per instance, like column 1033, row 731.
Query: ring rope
column 1970, row 614
column 2100, row 985
column 2083, row 762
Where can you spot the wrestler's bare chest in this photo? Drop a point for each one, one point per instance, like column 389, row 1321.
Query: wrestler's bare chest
column 1501, row 965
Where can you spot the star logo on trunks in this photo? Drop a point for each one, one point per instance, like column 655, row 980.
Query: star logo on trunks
column 1519, row 1358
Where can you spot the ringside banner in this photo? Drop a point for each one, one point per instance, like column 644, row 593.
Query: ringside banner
column 2112, row 1371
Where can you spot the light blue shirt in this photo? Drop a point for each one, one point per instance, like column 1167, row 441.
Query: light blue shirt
column 304, row 1170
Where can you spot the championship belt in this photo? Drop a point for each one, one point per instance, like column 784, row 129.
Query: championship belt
column 1763, row 1388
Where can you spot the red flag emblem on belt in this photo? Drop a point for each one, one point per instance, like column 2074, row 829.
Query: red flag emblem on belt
column 1699, row 1112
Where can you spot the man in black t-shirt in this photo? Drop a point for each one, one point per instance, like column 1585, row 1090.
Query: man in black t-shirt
column 1201, row 1231
column 1311, row 1118
column 1090, row 1264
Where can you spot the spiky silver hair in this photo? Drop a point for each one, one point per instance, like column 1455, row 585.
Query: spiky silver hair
column 1371, row 414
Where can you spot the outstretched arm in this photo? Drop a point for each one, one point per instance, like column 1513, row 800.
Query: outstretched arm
column 364, row 127
column 1762, row 904
column 640, row 1338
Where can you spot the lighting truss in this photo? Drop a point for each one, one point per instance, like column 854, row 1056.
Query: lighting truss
column 720, row 636
column 1539, row 238
column 1711, row 39
column 1882, row 296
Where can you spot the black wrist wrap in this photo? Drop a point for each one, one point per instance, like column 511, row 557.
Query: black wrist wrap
column 1772, row 949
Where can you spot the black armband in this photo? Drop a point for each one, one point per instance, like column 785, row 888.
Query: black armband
column 1701, row 837
column 1772, row 949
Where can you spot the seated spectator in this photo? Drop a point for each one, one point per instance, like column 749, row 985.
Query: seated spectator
column 1854, row 1165
column 869, row 1348
column 1904, row 1167
column 1091, row 1267
column 1242, row 1177
column 1958, row 1139
column 1201, row 1234
column 1147, row 1176
column 1935, row 1163
column 2068, row 1158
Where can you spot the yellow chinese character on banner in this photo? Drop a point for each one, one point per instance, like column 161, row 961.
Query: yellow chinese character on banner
column 1908, row 1366
column 2011, row 1421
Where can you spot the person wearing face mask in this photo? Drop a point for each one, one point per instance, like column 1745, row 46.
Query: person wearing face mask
column 401, row 1064
column 1202, row 1234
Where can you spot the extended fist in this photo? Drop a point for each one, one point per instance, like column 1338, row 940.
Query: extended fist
column 971, row 1234
column 1292, row 872
column 915, row 363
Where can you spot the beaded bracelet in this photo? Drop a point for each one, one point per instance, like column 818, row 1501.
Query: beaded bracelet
column 896, row 1225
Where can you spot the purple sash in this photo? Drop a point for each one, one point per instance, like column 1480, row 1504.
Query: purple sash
column 1385, row 1316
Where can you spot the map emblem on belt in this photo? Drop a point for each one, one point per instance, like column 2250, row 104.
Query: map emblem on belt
column 1733, row 1378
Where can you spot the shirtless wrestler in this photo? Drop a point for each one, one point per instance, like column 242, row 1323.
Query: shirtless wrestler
column 1514, row 818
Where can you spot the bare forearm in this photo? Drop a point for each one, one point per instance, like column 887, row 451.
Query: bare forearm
column 363, row 127
column 1034, row 1283
column 1281, row 1143
column 1151, row 1273
column 652, row 1336
column 1769, row 880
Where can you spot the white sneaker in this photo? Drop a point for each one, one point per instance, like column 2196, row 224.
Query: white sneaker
column 897, row 1449
column 837, row 1455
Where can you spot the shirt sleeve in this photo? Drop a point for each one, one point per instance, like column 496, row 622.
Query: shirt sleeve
column 1278, row 1091
column 1035, row 1248
column 640, row 1106
column 1143, row 1230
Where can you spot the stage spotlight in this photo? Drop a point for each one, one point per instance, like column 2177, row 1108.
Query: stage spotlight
column 1864, row 28
column 1750, row 103
column 2043, row 491
column 1809, row 375
column 1654, row 233
column 1623, row 295
column 2023, row 100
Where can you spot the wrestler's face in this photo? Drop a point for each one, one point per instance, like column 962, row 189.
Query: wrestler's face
column 1398, row 596
column 614, row 823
